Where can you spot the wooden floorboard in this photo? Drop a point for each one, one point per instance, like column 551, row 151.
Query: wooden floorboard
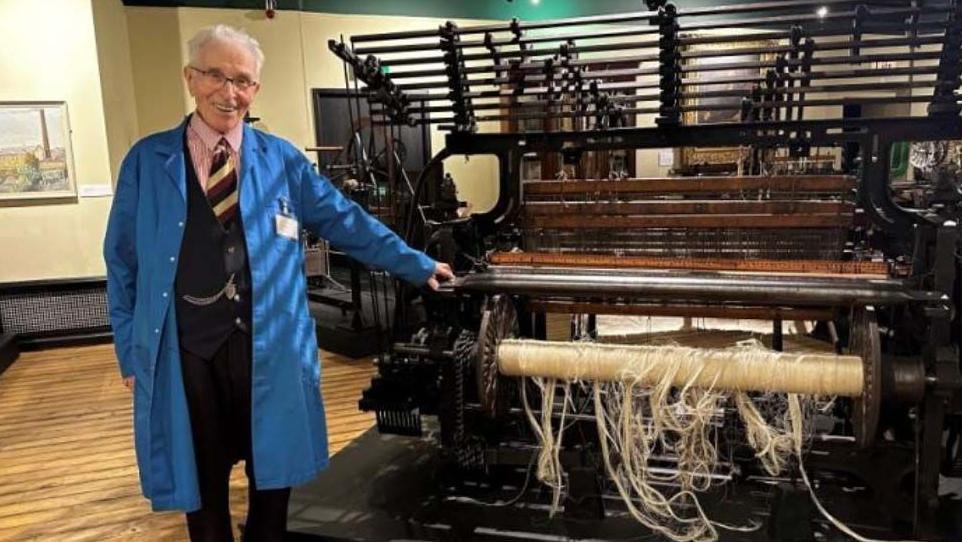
column 67, row 466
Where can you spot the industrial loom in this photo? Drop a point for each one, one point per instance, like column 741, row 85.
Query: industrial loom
column 771, row 126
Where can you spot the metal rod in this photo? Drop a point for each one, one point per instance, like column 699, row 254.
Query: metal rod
column 418, row 350
column 501, row 27
column 582, row 98
column 782, row 291
column 496, row 43
column 783, row 5
column 825, row 132
column 446, row 122
column 686, row 55
column 648, row 110
column 822, row 31
column 539, row 66
column 602, row 75
column 523, row 53
column 766, row 22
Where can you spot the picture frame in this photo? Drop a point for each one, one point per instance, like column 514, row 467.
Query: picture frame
column 36, row 155
column 530, row 167
column 720, row 159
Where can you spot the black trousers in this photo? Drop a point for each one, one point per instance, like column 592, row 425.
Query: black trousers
column 219, row 400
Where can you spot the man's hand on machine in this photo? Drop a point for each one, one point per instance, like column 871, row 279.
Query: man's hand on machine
column 442, row 273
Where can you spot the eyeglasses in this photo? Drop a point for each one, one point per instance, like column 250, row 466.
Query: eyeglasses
column 218, row 79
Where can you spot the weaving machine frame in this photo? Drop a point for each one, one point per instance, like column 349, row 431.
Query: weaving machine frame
column 448, row 368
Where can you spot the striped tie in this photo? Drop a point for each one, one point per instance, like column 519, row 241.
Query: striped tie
column 222, row 184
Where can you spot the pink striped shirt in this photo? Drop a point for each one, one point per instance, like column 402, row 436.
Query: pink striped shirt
column 202, row 140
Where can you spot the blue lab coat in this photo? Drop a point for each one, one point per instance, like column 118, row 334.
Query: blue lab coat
column 141, row 248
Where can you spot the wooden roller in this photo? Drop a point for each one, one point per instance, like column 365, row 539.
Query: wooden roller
column 733, row 369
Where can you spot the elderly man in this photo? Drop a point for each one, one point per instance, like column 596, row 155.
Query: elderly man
column 207, row 298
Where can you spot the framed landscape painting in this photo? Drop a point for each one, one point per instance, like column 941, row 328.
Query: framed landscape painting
column 36, row 161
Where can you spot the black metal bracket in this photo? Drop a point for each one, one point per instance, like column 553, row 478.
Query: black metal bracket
column 862, row 14
column 669, row 55
column 381, row 88
column 457, row 78
column 567, row 52
column 808, row 51
column 608, row 113
column 516, row 32
column 547, row 70
column 944, row 101
column 493, row 49
column 941, row 360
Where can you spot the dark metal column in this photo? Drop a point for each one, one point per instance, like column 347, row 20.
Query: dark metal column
column 669, row 55
column 944, row 101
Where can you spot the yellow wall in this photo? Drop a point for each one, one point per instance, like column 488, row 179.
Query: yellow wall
column 116, row 79
column 56, row 60
column 155, row 55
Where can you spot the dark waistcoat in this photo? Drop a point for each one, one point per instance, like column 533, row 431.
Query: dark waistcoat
column 209, row 255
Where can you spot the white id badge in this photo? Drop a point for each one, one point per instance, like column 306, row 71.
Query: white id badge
column 286, row 226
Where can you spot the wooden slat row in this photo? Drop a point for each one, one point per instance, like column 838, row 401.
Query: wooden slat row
column 554, row 259
column 694, row 185
column 725, row 222
column 689, row 207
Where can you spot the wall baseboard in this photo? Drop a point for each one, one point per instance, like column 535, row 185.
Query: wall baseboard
column 53, row 313
column 72, row 339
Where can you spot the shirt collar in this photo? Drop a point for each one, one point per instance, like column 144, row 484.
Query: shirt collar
column 211, row 137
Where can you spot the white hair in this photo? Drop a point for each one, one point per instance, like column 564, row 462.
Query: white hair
column 222, row 33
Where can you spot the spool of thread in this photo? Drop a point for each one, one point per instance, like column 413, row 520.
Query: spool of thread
column 732, row 369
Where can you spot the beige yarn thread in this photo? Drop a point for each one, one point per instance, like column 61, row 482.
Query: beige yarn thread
column 549, row 469
column 680, row 423
column 771, row 447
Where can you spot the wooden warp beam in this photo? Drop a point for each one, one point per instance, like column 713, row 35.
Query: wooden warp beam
column 688, row 207
column 691, row 221
column 873, row 269
column 694, row 185
column 732, row 369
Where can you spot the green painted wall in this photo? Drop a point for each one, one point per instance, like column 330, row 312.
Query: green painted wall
column 475, row 9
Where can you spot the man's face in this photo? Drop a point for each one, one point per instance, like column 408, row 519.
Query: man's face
column 221, row 103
